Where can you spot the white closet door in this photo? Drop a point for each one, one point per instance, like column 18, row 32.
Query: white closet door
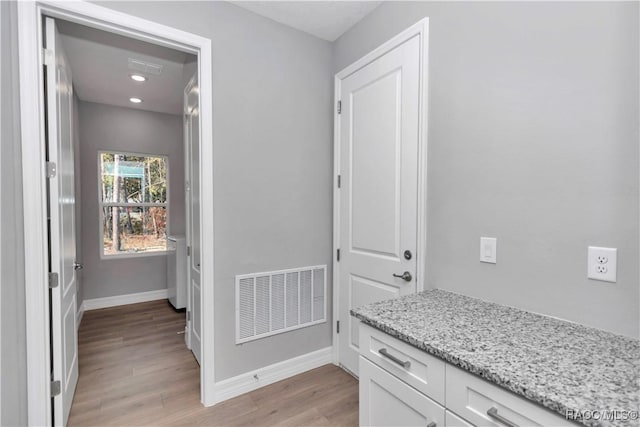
column 379, row 131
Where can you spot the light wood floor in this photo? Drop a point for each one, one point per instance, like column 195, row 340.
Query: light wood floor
column 135, row 370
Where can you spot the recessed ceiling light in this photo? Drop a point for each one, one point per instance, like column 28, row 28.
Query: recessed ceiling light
column 135, row 100
column 138, row 78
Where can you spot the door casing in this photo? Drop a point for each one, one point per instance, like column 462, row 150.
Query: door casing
column 421, row 28
column 30, row 14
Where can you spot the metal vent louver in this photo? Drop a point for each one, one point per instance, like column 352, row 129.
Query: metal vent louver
column 279, row 301
column 145, row 67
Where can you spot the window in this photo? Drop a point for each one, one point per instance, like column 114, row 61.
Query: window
column 133, row 203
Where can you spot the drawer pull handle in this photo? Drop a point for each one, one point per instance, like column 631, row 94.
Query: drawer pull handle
column 385, row 353
column 493, row 413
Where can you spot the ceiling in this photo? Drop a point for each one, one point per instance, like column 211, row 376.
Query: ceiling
column 100, row 66
column 325, row 19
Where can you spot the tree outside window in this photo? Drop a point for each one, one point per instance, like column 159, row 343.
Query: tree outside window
column 133, row 203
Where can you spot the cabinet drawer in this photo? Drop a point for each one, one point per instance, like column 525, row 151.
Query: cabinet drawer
column 452, row 420
column 472, row 398
column 387, row 401
column 423, row 371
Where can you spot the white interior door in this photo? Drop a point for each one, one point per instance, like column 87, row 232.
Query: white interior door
column 379, row 130
column 192, row 157
column 64, row 340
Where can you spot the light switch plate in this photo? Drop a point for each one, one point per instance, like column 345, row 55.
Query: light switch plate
column 602, row 263
column 488, row 249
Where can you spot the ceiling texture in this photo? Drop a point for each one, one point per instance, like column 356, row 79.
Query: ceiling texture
column 327, row 20
column 101, row 71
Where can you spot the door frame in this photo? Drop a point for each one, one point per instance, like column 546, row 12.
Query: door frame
column 30, row 35
column 420, row 29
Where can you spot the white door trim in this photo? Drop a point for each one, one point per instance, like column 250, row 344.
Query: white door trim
column 421, row 28
column 34, row 185
column 1, row 269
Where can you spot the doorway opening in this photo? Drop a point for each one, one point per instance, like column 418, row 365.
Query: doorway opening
column 126, row 188
column 121, row 101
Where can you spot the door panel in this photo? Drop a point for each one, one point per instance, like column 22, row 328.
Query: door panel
column 387, row 401
column 196, row 322
column 375, row 158
column 365, row 291
column 59, row 100
column 192, row 166
column 379, row 128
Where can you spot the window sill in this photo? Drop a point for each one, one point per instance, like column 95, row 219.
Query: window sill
column 104, row 257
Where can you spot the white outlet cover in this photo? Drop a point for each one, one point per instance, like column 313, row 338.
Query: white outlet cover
column 488, row 249
column 602, row 263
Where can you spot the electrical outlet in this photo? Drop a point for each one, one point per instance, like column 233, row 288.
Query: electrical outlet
column 602, row 263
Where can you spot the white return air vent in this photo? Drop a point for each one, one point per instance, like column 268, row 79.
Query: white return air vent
column 280, row 301
column 145, row 67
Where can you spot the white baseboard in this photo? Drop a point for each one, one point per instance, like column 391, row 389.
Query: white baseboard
column 244, row 383
column 96, row 303
column 79, row 315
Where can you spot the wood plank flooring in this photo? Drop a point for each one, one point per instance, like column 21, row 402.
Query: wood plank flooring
column 135, row 370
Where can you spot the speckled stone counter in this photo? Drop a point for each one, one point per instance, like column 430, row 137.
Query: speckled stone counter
column 560, row 365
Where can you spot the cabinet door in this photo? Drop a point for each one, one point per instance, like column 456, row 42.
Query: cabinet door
column 424, row 372
column 486, row 404
column 452, row 420
column 387, row 401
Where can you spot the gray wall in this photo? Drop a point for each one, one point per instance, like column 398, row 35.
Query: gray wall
column 104, row 127
column 272, row 97
column 533, row 139
column 12, row 311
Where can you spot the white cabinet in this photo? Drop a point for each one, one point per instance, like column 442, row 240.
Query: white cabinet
column 387, row 401
column 452, row 420
column 401, row 385
column 413, row 366
column 486, row 404
column 177, row 271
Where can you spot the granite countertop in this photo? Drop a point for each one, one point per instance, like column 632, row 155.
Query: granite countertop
column 558, row 364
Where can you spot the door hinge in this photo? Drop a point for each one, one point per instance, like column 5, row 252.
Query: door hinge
column 339, row 181
column 337, row 327
column 338, row 255
column 339, row 107
column 55, row 388
column 51, row 170
column 188, row 250
column 188, row 316
column 47, row 57
column 53, row 280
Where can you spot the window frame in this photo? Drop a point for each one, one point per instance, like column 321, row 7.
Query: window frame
column 102, row 205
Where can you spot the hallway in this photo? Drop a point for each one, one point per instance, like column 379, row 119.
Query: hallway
column 135, row 370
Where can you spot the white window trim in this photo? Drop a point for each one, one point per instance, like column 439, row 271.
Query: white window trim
column 29, row 21
column 102, row 205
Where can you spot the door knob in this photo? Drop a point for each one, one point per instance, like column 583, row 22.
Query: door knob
column 404, row 276
column 77, row 266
